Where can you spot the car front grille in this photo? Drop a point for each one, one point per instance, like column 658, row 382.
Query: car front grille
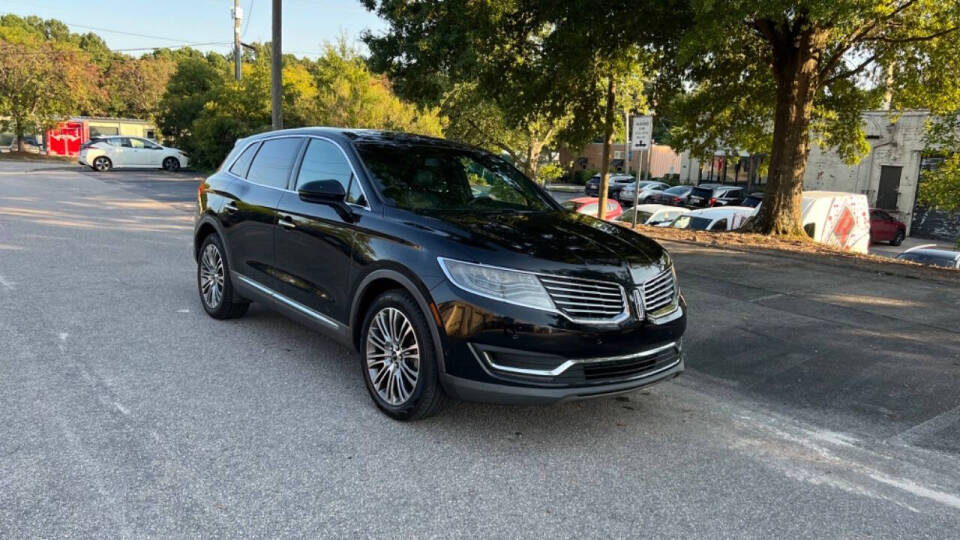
column 584, row 299
column 659, row 292
column 630, row 367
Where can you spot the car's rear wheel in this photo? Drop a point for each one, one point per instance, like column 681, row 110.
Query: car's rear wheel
column 214, row 284
column 171, row 164
column 397, row 358
column 898, row 238
column 102, row 164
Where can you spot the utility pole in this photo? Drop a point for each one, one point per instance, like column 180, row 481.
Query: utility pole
column 276, row 69
column 237, row 49
column 626, row 142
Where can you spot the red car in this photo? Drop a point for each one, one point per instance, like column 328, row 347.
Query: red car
column 886, row 228
column 588, row 205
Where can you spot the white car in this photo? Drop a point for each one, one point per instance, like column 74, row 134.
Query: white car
column 134, row 152
column 647, row 188
column 721, row 218
column 657, row 215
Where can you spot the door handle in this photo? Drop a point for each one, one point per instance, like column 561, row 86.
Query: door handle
column 231, row 207
column 287, row 222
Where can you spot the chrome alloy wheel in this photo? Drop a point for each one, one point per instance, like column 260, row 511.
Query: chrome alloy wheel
column 393, row 356
column 211, row 276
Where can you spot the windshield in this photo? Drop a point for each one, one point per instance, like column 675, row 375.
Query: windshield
column 926, row 258
column 642, row 216
column 446, row 179
column 688, row 222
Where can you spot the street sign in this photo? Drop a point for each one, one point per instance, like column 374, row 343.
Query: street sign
column 642, row 134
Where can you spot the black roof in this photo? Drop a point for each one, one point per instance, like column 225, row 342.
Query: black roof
column 361, row 136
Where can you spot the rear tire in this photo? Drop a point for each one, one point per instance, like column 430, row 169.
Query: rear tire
column 171, row 164
column 898, row 238
column 102, row 164
column 398, row 360
column 217, row 295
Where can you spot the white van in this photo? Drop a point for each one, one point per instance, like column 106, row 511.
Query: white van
column 837, row 219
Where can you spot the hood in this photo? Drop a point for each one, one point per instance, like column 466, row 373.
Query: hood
column 550, row 242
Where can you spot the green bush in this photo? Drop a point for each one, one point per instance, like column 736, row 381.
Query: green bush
column 550, row 173
column 582, row 175
column 958, row 242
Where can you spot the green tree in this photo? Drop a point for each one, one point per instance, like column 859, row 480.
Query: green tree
column 772, row 75
column 539, row 63
column 940, row 187
column 133, row 87
column 349, row 95
column 40, row 83
column 192, row 85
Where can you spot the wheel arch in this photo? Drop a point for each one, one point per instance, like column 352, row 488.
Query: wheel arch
column 378, row 282
column 206, row 226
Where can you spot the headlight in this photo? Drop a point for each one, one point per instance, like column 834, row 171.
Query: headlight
column 512, row 286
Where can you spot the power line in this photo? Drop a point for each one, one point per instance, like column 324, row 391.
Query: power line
column 9, row 50
column 249, row 16
column 98, row 29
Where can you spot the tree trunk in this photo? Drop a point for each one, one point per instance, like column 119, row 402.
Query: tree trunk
column 534, row 148
column 608, row 120
column 795, row 71
column 18, row 130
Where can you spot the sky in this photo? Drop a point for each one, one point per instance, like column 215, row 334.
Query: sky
column 307, row 24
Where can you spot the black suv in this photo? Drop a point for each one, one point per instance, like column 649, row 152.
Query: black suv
column 710, row 195
column 450, row 272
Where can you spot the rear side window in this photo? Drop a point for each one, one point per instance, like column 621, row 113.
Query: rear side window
column 719, row 225
column 733, row 195
column 702, row 192
column 272, row 164
column 324, row 161
column 242, row 164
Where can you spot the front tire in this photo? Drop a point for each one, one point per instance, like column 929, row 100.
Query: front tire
column 898, row 238
column 213, row 282
column 102, row 164
column 398, row 359
column 171, row 164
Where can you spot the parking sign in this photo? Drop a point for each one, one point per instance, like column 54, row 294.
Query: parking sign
column 642, row 130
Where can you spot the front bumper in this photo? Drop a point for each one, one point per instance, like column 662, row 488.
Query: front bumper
column 493, row 353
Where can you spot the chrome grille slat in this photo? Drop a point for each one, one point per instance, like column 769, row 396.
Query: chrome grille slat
column 579, row 292
column 659, row 292
column 584, row 299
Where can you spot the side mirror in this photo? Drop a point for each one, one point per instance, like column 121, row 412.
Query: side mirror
column 323, row 192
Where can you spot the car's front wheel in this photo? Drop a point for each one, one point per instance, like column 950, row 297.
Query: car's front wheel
column 898, row 238
column 213, row 281
column 171, row 164
column 102, row 164
column 397, row 358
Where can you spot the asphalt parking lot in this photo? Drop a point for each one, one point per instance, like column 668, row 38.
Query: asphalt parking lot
column 818, row 402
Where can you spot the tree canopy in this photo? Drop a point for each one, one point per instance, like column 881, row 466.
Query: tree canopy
column 769, row 75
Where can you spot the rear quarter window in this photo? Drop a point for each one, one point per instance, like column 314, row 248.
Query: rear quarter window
column 242, row 164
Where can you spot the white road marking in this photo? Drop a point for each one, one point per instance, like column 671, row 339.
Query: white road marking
column 64, row 336
column 183, row 311
column 918, row 490
column 121, row 408
column 7, row 284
